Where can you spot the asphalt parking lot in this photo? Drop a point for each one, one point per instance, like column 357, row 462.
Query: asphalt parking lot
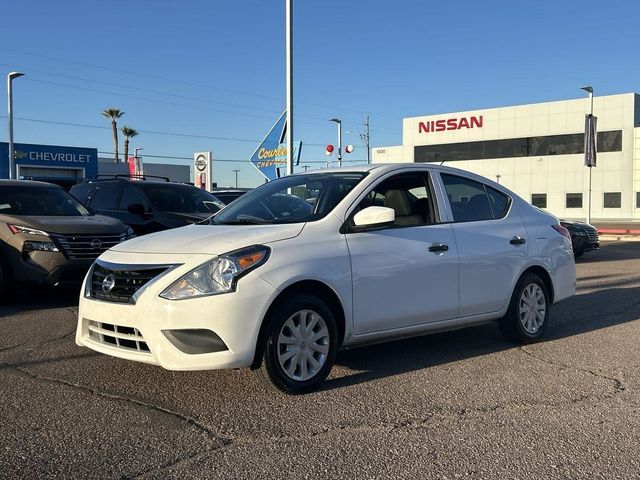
column 453, row 405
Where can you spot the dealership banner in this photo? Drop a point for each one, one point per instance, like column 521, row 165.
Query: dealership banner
column 270, row 158
column 590, row 140
column 49, row 156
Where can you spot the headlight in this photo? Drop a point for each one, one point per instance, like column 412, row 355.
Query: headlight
column 219, row 275
column 30, row 246
column 15, row 229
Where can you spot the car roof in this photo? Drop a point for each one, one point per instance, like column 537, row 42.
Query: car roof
column 30, row 183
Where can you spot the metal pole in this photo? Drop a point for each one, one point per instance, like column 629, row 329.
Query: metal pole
column 590, row 167
column 289, row 81
column 368, row 143
column 10, row 78
column 339, row 143
column 137, row 159
column 236, row 172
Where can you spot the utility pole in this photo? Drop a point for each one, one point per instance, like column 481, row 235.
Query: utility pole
column 365, row 139
column 236, row 172
column 289, row 81
column 306, row 167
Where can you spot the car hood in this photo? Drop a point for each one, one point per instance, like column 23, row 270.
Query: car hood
column 92, row 224
column 209, row 239
column 566, row 223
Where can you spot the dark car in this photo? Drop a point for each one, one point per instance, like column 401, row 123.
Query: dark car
column 584, row 237
column 228, row 195
column 147, row 206
column 48, row 237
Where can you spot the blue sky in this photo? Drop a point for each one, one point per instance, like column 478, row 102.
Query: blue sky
column 209, row 75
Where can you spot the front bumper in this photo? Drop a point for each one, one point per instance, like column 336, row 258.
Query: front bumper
column 234, row 317
column 48, row 268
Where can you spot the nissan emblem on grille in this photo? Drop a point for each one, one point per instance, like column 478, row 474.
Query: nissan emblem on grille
column 108, row 283
column 96, row 243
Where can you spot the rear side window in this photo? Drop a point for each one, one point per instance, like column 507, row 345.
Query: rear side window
column 473, row 201
column 105, row 196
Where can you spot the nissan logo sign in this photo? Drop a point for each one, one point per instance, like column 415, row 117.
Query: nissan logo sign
column 108, row 283
column 201, row 163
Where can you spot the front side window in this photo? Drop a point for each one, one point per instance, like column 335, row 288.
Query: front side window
column 26, row 200
column 291, row 199
column 171, row 197
column 408, row 195
column 473, row 201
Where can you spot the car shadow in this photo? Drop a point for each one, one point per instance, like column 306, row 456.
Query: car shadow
column 26, row 298
column 574, row 316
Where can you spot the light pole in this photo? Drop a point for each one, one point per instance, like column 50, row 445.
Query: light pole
column 236, row 172
column 589, row 90
column 10, row 78
column 339, row 122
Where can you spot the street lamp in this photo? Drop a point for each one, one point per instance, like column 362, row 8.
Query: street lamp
column 339, row 122
column 589, row 90
column 10, row 78
column 236, row 172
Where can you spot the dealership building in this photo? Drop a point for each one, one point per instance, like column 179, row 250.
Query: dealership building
column 537, row 151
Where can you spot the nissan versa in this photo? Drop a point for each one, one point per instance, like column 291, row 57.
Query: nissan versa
column 310, row 263
column 48, row 237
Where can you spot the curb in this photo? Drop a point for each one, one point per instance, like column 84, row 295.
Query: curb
column 609, row 237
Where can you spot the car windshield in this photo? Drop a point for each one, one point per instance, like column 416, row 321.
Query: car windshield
column 293, row 199
column 181, row 199
column 40, row 201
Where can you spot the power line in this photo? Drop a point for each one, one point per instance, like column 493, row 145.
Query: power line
column 174, row 80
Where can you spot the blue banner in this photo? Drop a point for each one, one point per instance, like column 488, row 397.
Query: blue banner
column 270, row 158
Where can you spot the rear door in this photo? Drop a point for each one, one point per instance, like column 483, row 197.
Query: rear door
column 492, row 243
column 406, row 274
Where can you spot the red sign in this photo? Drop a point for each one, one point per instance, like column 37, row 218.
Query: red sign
column 449, row 124
column 132, row 166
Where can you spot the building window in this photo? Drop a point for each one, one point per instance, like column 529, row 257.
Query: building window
column 569, row 144
column 637, row 199
column 612, row 200
column 573, row 200
column 539, row 200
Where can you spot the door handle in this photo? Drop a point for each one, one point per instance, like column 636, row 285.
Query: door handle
column 517, row 240
column 438, row 247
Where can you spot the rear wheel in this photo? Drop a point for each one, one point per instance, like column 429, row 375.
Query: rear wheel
column 301, row 345
column 4, row 281
column 528, row 313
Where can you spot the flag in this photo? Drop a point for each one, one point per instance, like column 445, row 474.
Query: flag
column 590, row 140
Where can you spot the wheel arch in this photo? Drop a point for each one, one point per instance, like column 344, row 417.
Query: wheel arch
column 309, row 287
column 544, row 275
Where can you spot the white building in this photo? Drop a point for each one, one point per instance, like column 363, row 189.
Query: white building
column 538, row 151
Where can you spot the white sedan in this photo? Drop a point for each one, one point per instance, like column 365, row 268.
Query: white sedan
column 311, row 263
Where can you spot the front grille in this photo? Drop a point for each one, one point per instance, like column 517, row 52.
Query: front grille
column 118, row 336
column 592, row 234
column 86, row 247
column 123, row 282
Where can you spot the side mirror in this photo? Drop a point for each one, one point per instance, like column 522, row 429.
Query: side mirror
column 374, row 217
column 136, row 209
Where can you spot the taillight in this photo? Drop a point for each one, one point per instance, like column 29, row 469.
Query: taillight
column 561, row 230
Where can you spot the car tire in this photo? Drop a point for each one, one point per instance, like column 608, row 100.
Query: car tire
column 5, row 283
column 528, row 313
column 300, row 346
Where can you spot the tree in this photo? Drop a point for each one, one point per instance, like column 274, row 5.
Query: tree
column 128, row 133
column 113, row 114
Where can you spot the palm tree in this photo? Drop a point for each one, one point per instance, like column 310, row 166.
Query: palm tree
column 114, row 113
column 128, row 133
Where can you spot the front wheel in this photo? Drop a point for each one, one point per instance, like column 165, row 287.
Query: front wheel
column 301, row 345
column 528, row 313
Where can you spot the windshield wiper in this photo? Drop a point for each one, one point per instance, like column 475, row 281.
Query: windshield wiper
column 245, row 221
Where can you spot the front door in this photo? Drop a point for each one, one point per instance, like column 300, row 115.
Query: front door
column 405, row 274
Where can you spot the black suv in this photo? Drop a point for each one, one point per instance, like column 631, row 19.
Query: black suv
column 228, row 195
column 147, row 205
column 584, row 237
